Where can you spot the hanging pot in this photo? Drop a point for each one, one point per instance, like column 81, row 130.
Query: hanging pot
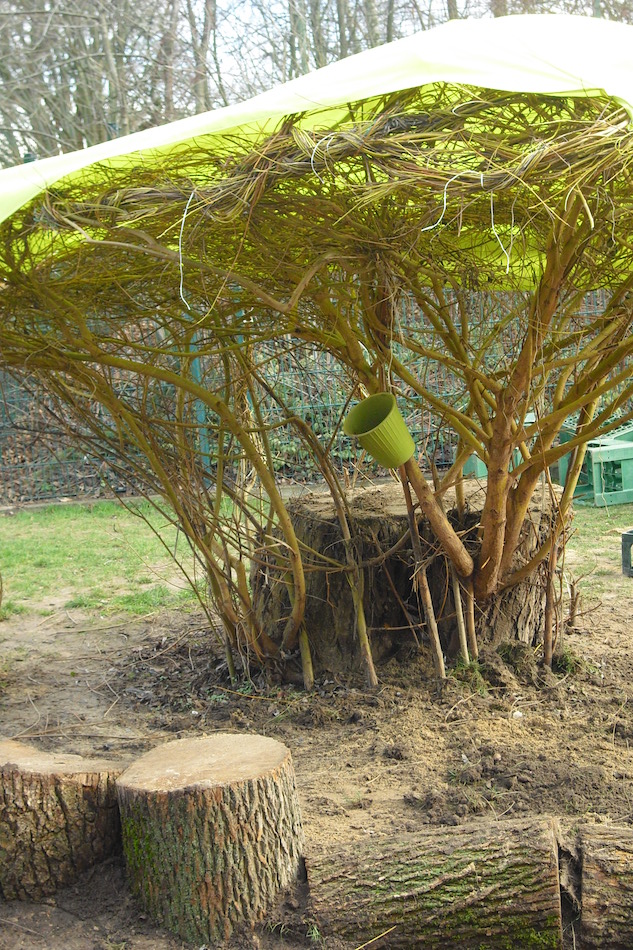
column 379, row 427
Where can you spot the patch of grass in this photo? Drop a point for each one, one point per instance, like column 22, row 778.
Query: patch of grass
column 594, row 551
column 96, row 557
column 276, row 928
column 470, row 675
column 9, row 608
column 152, row 598
column 567, row 662
column 218, row 698
column 93, row 600
column 592, row 523
column 314, row 934
column 357, row 800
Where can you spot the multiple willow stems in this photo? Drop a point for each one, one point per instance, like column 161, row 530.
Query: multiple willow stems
column 437, row 243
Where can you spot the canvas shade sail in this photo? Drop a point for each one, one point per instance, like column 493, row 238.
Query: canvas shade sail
column 555, row 55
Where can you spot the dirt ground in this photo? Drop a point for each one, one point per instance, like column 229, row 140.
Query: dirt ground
column 508, row 743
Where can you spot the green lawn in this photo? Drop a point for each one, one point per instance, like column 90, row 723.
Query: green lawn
column 99, row 557
column 594, row 551
column 102, row 557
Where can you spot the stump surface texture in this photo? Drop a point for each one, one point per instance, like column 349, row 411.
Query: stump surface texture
column 211, row 832
column 58, row 817
column 483, row 885
column 607, row 887
column 379, row 523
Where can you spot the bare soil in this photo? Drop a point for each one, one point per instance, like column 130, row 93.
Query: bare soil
column 509, row 742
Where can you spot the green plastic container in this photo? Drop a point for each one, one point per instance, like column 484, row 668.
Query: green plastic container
column 377, row 424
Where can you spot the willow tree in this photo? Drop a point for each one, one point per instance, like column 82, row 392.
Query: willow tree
column 445, row 223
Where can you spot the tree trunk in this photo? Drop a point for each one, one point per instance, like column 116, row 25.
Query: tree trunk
column 58, row 816
column 379, row 524
column 481, row 885
column 211, row 832
column 607, row 887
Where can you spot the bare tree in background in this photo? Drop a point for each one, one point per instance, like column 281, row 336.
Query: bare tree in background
column 81, row 72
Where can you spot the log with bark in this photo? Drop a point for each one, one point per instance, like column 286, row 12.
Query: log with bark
column 379, row 524
column 211, row 832
column 607, row 887
column 492, row 885
column 58, row 817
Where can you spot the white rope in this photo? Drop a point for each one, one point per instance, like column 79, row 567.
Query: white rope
column 182, row 273
column 496, row 233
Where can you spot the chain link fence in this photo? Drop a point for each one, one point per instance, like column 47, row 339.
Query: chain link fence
column 36, row 460
column 39, row 461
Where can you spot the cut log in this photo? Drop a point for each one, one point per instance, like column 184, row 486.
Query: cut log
column 607, row 887
column 211, row 832
column 58, row 816
column 480, row 885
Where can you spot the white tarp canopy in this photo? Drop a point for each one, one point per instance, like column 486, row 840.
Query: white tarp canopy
column 550, row 54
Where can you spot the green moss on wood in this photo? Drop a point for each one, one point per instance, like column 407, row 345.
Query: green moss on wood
column 520, row 937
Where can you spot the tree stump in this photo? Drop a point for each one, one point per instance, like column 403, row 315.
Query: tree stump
column 480, row 885
column 379, row 523
column 58, row 816
column 607, row 887
column 211, row 832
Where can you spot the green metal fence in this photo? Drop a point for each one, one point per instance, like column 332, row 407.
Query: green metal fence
column 39, row 462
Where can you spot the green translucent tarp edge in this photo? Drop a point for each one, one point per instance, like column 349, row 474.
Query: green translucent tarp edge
column 549, row 54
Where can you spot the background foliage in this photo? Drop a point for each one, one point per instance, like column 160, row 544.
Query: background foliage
column 81, row 72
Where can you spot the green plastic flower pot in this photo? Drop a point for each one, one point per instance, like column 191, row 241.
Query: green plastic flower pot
column 377, row 424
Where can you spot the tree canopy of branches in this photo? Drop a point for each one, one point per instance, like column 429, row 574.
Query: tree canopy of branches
column 158, row 305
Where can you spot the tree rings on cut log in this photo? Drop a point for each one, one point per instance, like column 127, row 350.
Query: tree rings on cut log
column 58, row 816
column 607, row 887
column 492, row 885
column 211, row 832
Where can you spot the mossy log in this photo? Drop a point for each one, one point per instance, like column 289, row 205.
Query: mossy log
column 607, row 887
column 58, row 817
column 211, row 832
column 478, row 886
column 379, row 523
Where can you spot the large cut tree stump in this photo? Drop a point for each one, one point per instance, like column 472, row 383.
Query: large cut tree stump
column 379, row 525
column 607, row 887
column 480, row 885
column 58, row 816
column 211, row 832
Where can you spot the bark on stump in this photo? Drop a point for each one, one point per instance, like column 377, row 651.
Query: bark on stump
column 211, row 832
column 58, row 816
column 480, row 885
column 607, row 887
column 378, row 522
